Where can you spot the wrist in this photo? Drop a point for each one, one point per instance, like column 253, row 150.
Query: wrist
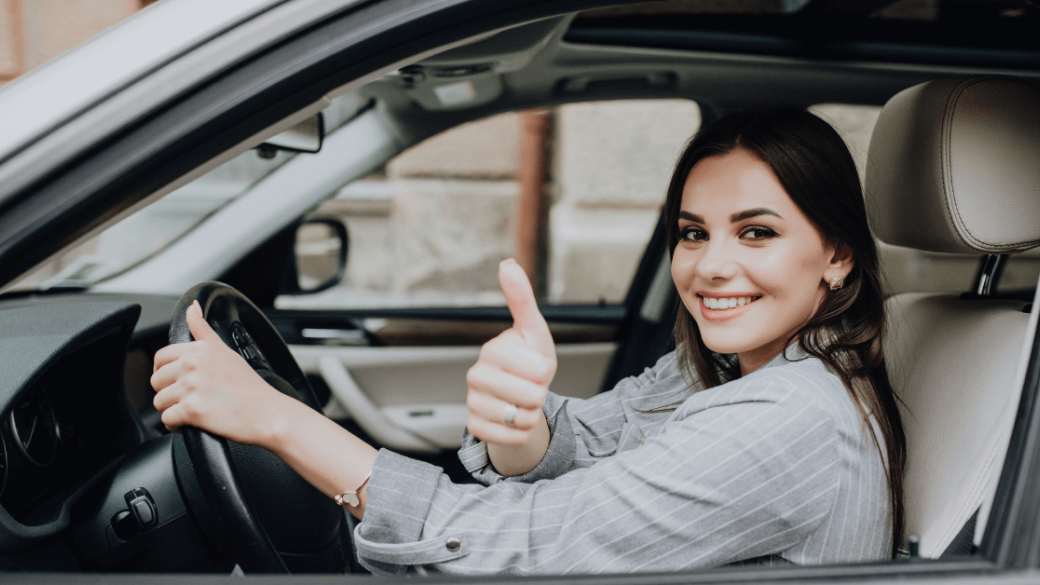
column 514, row 460
column 283, row 416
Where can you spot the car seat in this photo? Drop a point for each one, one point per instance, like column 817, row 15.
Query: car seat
column 954, row 166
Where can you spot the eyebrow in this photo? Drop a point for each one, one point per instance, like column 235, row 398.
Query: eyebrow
column 738, row 216
column 749, row 213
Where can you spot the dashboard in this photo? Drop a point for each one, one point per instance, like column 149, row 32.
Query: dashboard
column 75, row 411
column 63, row 413
column 65, row 427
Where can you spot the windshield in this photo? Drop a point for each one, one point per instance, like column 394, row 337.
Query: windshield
column 153, row 228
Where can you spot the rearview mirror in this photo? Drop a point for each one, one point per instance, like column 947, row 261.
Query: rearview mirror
column 307, row 136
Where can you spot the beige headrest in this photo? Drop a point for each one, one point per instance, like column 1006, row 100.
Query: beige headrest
column 954, row 166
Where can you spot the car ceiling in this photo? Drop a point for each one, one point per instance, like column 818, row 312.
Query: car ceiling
column 721, row 61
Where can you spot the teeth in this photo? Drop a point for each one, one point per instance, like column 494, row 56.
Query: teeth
column 726, row 302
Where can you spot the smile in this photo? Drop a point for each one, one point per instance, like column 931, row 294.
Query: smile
column 724, row 303
column 723, row 307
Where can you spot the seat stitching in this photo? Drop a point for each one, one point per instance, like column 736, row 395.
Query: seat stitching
column 946, row 165
column 945, row 157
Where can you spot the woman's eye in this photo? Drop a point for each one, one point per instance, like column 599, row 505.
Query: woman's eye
column 694, row 234
column 758, row 233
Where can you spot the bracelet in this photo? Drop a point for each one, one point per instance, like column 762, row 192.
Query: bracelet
column 351, row 498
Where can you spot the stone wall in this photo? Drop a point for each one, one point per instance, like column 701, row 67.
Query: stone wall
column 433, row 225
column 612, row 166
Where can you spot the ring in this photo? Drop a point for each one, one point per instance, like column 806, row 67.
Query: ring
column 510, row 414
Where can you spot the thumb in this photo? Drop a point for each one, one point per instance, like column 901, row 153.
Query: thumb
column 527, row 319
column 197, row 324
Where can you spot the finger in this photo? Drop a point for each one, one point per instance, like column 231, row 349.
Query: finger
column 200, row 329
column 168, row 397
column 169, row 354
column 494, row 410
column 490, row 432
column 505, row 386
column 522, row 305
column 520, row 361
column 165, row 376
column 174, row 418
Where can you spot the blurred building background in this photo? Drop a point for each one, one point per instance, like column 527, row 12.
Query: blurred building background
column 433, row 225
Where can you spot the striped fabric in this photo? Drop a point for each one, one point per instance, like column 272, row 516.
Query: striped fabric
column 773, row 465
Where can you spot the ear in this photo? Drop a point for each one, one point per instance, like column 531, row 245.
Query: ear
column 840, row 264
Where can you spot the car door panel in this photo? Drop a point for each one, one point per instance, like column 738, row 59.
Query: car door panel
column 413, row 398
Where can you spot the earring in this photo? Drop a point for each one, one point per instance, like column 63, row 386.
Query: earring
column 837, row 282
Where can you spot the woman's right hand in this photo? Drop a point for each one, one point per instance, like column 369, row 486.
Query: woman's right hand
column 206, row 384
column 514, row 368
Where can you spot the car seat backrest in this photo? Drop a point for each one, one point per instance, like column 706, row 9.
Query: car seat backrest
column 954, row 364
column 954, row 166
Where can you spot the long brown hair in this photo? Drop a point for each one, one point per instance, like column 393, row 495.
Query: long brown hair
column 814, row 166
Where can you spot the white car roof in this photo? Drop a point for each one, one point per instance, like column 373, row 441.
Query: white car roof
column 44, row 98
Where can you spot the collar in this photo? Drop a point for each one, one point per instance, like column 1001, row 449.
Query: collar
column 791, row 353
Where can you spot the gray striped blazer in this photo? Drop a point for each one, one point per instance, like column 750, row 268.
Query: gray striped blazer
column 775, row 465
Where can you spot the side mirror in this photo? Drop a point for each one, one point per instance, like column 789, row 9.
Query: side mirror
column 307, row 136
column 319, row 256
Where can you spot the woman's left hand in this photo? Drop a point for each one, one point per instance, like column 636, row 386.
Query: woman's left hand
column 206, row 384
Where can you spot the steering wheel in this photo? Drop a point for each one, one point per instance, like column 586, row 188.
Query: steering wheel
column 250, row 503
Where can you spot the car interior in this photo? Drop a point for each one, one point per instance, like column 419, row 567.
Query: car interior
column 950, row 182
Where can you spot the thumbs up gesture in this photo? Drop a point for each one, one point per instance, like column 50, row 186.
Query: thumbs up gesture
column 508, row 384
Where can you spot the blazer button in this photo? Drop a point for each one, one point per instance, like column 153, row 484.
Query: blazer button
column 453, row 544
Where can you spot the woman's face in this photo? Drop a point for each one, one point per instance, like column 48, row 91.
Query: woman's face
column 750, row 266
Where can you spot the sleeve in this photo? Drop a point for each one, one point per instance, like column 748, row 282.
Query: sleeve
column 731, row 482
column 583, row 431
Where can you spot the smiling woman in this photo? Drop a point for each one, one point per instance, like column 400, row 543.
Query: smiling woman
column 771, row 246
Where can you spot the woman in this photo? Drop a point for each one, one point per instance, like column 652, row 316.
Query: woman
column 770, row 435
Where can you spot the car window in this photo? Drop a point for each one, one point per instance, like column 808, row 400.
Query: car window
column 906, row 269
column 430, row 228
column 153, row 228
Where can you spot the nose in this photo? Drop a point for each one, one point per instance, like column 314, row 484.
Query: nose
column 716, row 261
